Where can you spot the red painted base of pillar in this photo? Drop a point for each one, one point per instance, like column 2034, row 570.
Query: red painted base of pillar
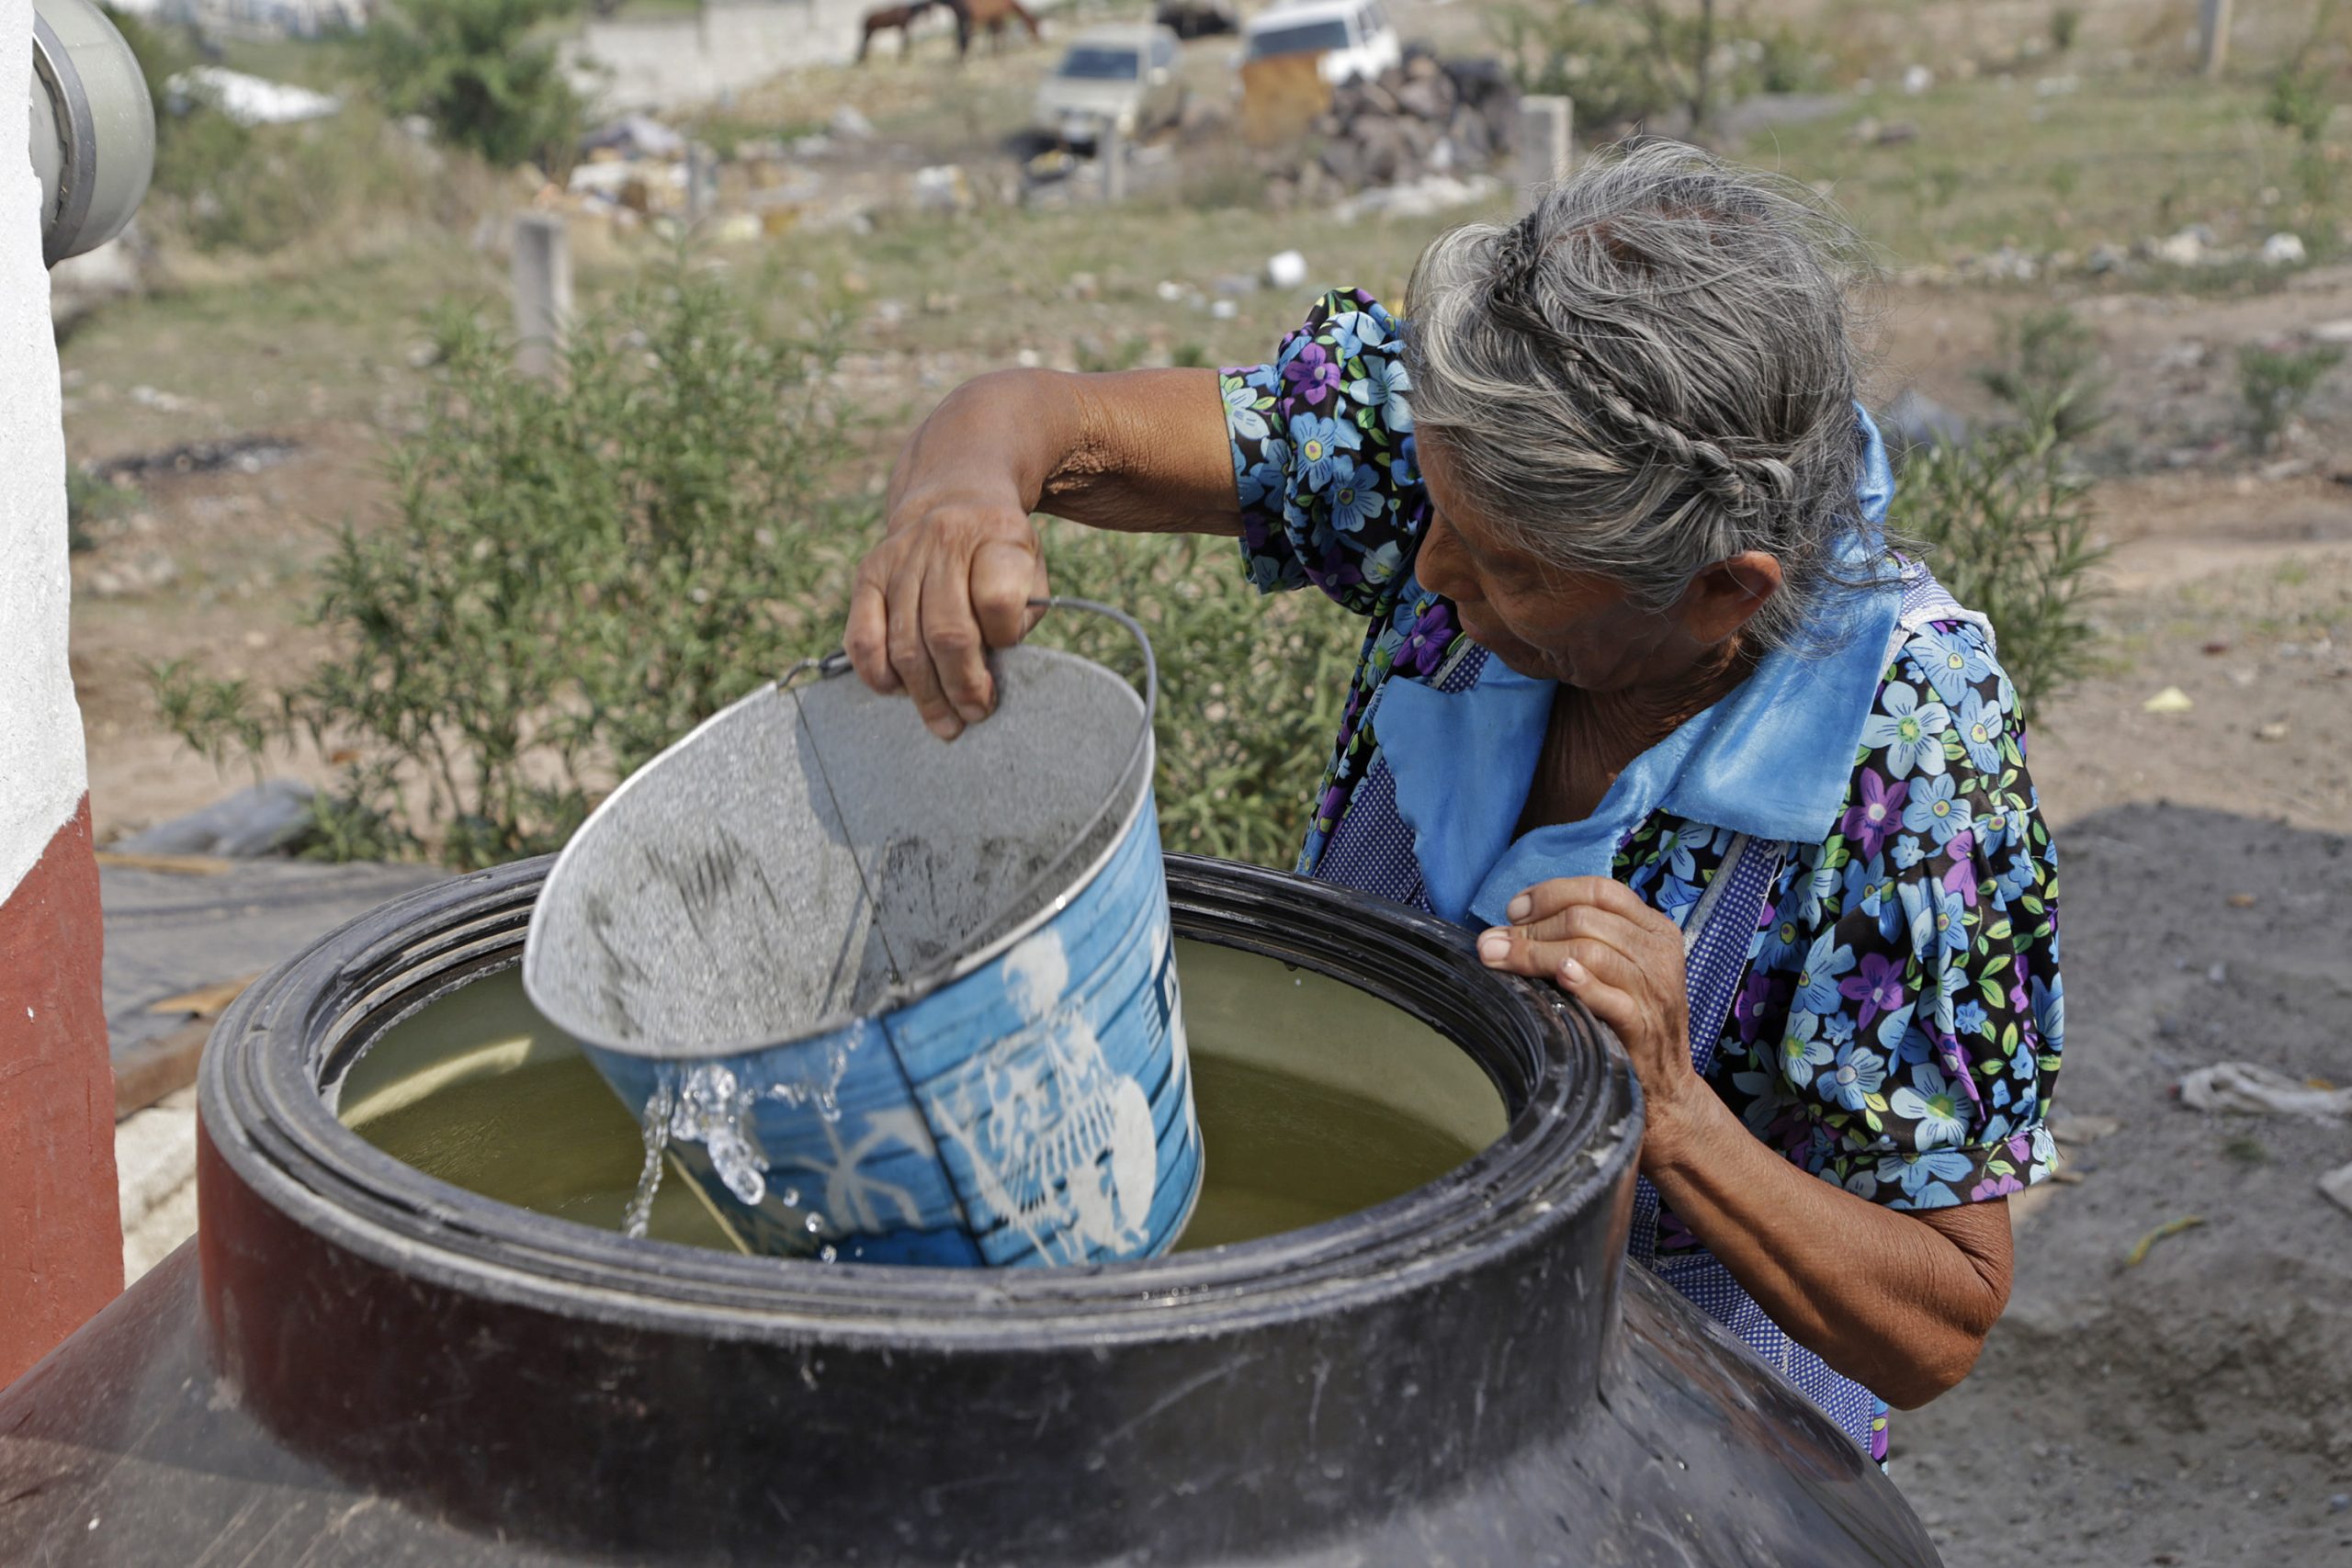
column 60, row 1229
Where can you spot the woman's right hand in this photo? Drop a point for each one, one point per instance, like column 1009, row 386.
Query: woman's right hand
column 1137, row 451
column 958, row 563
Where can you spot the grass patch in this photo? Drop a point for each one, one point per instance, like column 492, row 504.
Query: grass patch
column 2136, row 156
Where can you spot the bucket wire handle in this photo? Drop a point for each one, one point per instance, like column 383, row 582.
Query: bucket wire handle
column 837, row 662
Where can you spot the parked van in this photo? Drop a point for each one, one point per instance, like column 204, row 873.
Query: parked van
column 1353, row 38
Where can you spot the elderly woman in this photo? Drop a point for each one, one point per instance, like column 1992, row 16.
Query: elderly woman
column 1646, row 699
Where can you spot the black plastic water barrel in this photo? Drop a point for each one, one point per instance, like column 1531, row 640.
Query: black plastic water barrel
column 355, row 1363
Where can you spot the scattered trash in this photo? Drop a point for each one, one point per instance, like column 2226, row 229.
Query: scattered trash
column 204, row 1001
column 1917, row 80
column 2275, row 730
column 2283, row 250
column 848, row 125
column 2169, row 1228
column 162, row 402
column 260, row 820
column 1423, row 197
column 2217, row 646
column 1224, row 310
column 2332, row 331
column 2264, row 1092
column 739, row 229
column 126, row 576
column 2241, row 900
column 635, row 136
column 2079, row 1128
column 166, row 865
column 942, row 187
column 2186, row 248
column 2336, row 1187
column 2172, row 699
column 1286, row 270
column 248, row 100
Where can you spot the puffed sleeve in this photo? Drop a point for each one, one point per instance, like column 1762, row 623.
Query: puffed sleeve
column 1924, row 1036
column 1323, row 457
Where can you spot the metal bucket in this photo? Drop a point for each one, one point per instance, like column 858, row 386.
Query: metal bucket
column 893, row 1000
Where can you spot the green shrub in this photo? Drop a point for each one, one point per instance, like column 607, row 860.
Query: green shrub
column 575, row 574
column 2047, row 373
column 1252, row 686
column 2009, row 531
column 2302, row 100
column 2066, row 25
column 2277, row 382
column 89, row 499
column 473, row 67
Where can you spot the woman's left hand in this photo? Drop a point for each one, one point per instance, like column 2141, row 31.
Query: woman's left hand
column 1594, row 938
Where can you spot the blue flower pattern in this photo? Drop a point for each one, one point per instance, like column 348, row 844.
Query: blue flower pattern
column 1901, row 1020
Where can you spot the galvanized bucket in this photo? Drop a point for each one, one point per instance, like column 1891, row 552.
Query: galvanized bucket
column 890, row 1000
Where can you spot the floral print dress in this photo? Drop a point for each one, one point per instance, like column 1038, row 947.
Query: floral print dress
column 1897, row 1026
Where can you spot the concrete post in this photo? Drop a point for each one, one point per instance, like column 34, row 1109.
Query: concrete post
column 60, row 1234
column 1111, row 153
column 1546, row 144
column 542, row 291
column 701, row 175
column 2214, row 36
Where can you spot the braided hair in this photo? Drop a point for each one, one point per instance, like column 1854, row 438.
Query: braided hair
column 1650, row 372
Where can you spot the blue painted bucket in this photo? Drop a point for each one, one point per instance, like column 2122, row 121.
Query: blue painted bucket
column 888, row 1000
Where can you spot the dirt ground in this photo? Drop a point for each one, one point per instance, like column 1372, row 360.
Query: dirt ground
column 2193, row 1409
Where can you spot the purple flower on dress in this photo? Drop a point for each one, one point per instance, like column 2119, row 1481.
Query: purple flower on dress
column 1995, row 1187
column 1748, row 1007
column 1421, row 653
column 1313, row 373
column 1878, row 986
column 1880, row 811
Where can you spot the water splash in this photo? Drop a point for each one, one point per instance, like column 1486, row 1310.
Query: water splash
column 823, row 1092
column 656, row 1124
column 711, row 1112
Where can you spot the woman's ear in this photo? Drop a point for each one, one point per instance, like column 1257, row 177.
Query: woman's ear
column 1726, row 597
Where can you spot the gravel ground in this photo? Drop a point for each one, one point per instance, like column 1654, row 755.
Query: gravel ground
column 2194, row 1409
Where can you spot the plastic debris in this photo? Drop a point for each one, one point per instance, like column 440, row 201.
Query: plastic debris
column 2172, row 699
column 258, row 820
column 2283, row 250
column 2262, row 1091
column 2139, row 1252
column 1287, row 270
column 2336, row 1187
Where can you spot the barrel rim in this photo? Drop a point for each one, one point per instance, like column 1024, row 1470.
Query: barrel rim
column 1135, row 777
column 275, row 1060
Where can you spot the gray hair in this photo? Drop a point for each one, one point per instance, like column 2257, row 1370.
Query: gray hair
column 1649, row 373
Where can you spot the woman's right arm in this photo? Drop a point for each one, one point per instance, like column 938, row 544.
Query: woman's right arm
column 1140, row 451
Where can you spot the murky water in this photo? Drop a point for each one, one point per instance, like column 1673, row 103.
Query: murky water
column 1315, row 1100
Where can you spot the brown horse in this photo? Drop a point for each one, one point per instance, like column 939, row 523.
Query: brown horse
column 992, row 15
column 900, row 17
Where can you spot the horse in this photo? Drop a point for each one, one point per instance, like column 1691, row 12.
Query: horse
column 992, row 15
column 901, row 17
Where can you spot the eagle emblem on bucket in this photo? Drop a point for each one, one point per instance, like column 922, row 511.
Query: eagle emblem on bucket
column 1052, row 1142
column 886, row 1001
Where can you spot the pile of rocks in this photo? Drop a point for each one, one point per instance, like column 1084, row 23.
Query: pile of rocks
column 1428, row 117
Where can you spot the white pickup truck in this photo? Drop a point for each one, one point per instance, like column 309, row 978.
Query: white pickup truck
column 1353, row 38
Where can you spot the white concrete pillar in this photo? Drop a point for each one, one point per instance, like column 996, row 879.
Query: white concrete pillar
column 542, row 274
column 61, row 1242
column 1546, row 144
column 2214, row 36
column 1110, row 151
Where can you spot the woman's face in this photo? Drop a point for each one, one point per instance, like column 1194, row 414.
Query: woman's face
column 1578, row 628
